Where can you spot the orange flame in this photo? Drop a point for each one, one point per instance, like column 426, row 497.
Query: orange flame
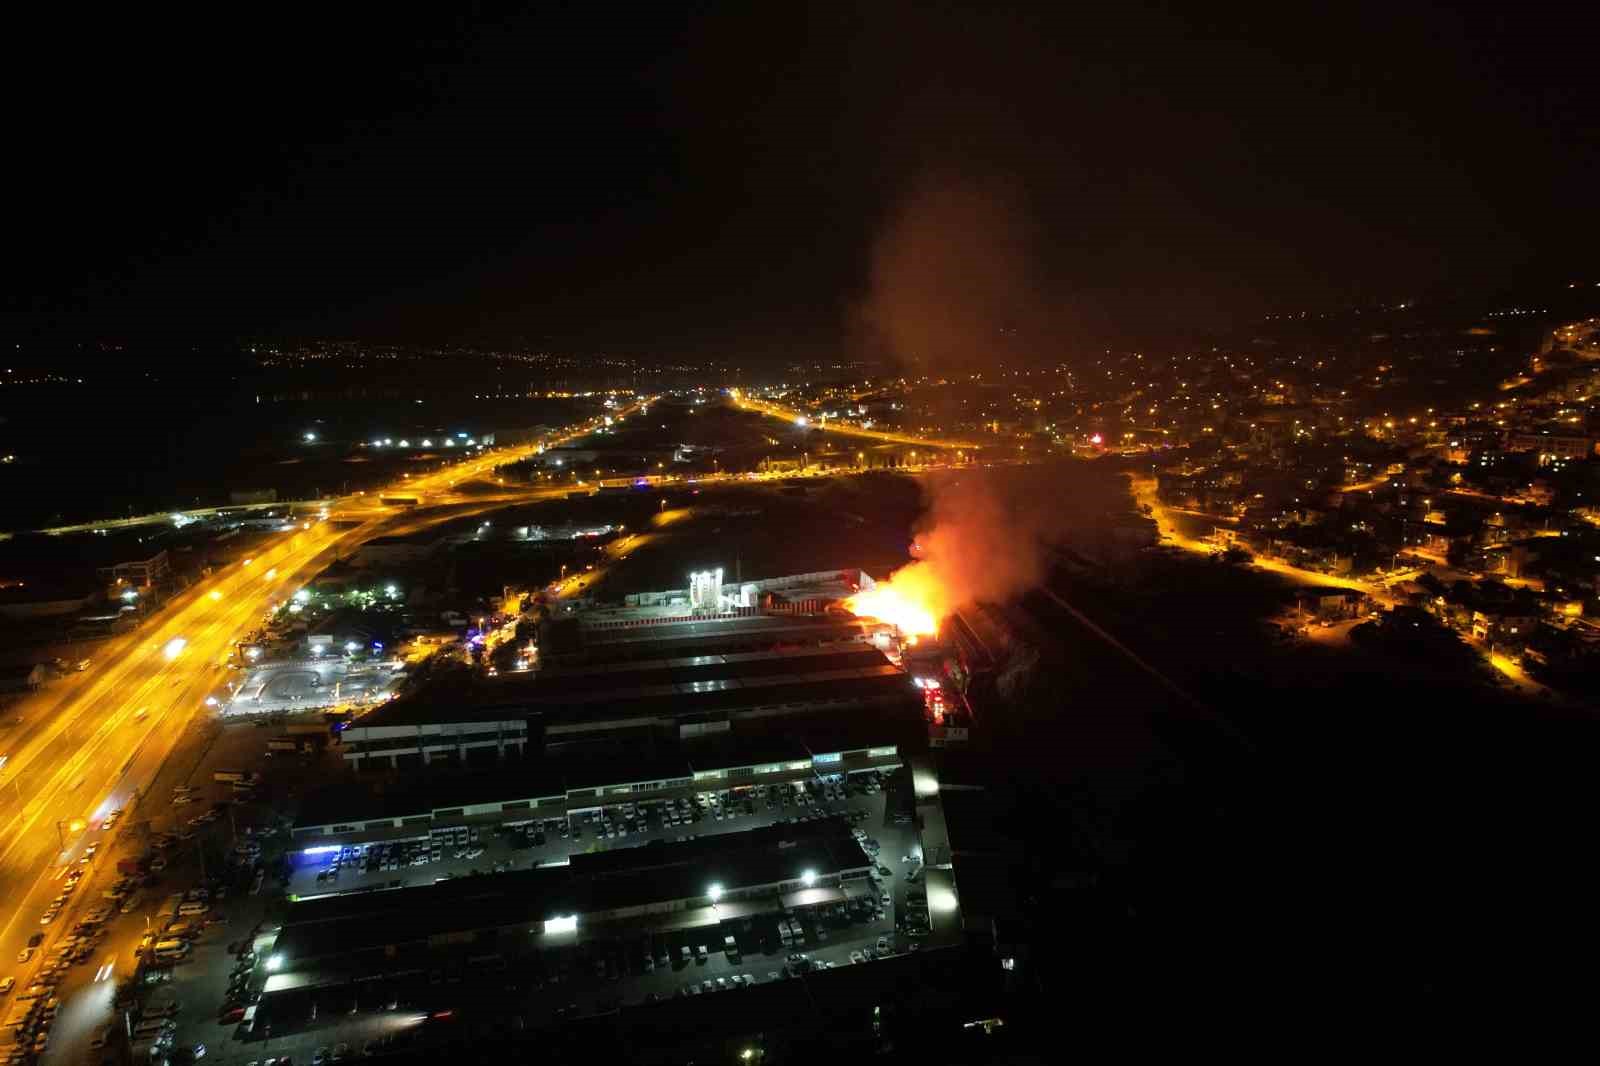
column 909, row 600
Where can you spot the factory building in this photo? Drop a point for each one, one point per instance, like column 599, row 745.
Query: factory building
column 357, row 812
column 630, row 678
column 693, row 884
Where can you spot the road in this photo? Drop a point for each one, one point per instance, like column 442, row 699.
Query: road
column 165, row 517
column 1144, row 491
column 834, row 425
column 94, row 743
column 1144, row 494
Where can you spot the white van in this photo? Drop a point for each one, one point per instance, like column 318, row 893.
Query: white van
column 169, row 950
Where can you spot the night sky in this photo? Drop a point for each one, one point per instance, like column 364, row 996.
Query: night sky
column 775, row 181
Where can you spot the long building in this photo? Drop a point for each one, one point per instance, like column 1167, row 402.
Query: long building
column 357, row 812
column 652, row 691
column 694, row 883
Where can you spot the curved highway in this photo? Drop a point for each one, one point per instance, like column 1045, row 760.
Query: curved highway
column 94, row 742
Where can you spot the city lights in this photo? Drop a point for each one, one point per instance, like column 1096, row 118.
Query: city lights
column 1233, row 388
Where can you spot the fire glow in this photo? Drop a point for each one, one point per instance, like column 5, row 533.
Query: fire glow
column 909, row 601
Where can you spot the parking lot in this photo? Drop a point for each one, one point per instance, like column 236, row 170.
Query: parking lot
column 307, row 683
column 89, row 956
column 635, row 963
column 486, row 848
column 220, row 969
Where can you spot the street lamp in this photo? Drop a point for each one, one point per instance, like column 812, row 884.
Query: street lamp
column 715, row 892
column 64, row 827
column 808, row 878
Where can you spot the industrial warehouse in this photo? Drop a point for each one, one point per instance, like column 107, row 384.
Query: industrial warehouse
column 675, row 697
column 356, row 812
column 639, row 674
column 679, row 788
column 681, row 886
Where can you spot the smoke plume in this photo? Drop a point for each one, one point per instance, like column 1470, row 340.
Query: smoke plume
column 986, row 535
column 957, row 289
column 956, row 285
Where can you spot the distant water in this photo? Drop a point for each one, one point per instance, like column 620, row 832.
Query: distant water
column 82, row 452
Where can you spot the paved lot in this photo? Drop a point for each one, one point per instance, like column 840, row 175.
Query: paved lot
column 528, row 992
column 307, row 683
column 481, row 849
column 534, row 991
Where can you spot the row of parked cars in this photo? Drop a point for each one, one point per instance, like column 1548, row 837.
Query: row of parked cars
column 869, row 954
column 29, row 1026
column 77, row 947
column 57, row 905
column 30, row 1030
column 609, row 822
column 723, row 984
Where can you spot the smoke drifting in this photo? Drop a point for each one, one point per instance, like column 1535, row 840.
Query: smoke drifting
column 956, row 281
column 957, row 288
column 986, row 535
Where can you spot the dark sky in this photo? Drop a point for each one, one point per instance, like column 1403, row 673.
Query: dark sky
column 748, row 181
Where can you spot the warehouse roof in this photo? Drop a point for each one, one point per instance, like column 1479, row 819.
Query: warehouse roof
column 623, row 877
column 565, row 682
column 855, row 677
column 726, row 634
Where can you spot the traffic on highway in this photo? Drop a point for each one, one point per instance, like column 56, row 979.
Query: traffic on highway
column 77, row 761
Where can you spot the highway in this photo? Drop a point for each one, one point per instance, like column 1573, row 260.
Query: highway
column 95, row 741
column 835, row 425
